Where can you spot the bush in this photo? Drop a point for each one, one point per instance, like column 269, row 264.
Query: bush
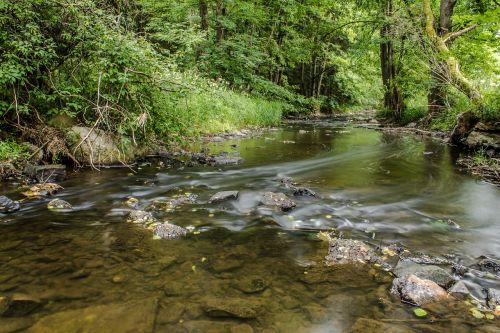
column 10, row 150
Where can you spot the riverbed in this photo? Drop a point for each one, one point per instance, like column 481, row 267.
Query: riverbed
column 265, row 264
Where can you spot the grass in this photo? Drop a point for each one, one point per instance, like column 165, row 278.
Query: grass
column 10, row 150
column 482, row 159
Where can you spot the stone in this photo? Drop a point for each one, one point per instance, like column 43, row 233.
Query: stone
column 278, row 200
column 250, row 285
column 18, row 305
column 492, row 298
column 58, row 204
column 35, row 153
column 223, row 160
column 417, row 291
column 8, row 206
column 303, row 191
column 483, row 140
column 126, row 317
column 46, row 173
column 98, row 148
column 226, row 265
column 223, row 196
column 241, row 328
column 42, row 190
column 169, row 204
column 459, row 290
column 348, row 251
column 167, row 230
column 140, row 217
column 170, row 313
column 486, row 264
column 364, row 325
column 316, row 313
column 428, row 272
column 231, row 308
column 7, row 170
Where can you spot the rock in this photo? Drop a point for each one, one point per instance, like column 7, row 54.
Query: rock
column 11, row 325
column 140, row 217
column 217, row 139
column 303, row 191
column 348, row 251
column 99, row 148
column 428, row 272
column 128, row 317
column 7, row 170
column 250, row 285
column 483, row 140
column 492, row 298
column 486, row 264
column 463, row 127
column 46, row 173
column 224, row 196
column 187, row 198
column 223, row 160
column 231, row 308
column 35, row 153
column 316, row 313
column 459, row 290
column 364, row 325
column 170, row 313
column 42, row 190
column 167, row 230
column 226, row 265
column 132, row 202
column 279, row 200
column 58, row 204
column 8, row 206
column 241, row 328
column 18, row 305
column 415, row 290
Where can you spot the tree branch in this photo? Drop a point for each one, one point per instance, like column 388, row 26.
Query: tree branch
column 450, row 37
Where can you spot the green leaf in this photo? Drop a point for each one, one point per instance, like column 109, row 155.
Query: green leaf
column 420, row 312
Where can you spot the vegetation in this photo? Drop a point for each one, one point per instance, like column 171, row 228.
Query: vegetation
column 147, row 70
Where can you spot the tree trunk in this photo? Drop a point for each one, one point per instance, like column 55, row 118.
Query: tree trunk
column 203, row 15
column 393, row 100
column 220, row 12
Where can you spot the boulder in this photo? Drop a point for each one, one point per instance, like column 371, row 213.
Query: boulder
column 231, row 308
column 140, row 217
column 42, row 190
column 98, row 148
column 167, row 230
column 46, row 173
column 303, row 191
column 483, row 140
column 58, row 204
column 224, row 196
column 459, row 290
column 486, row 264
column 348, row 251
column 428, row 272
column 225, row 160
column 415, row 290
column 8, row 206
column 278, row 200
column 125, row 317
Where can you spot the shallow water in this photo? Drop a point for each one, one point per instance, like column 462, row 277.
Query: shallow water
column 377, row 187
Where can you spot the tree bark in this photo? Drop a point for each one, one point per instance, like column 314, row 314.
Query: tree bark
column 220, row 11
column 203, row 15
column 393, row 99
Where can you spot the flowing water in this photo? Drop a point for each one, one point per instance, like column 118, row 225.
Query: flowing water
column 370, row 185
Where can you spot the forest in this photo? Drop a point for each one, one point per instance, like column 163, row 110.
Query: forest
column 170, row 70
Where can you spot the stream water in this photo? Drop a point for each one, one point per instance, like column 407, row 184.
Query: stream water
column 373, row 186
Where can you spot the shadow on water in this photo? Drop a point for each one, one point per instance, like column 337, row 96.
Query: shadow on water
column 264, row 267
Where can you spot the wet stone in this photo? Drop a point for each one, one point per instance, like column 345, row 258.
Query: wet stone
column 225, row 265
column 42, row 190
column 250, row 285
column 417, row 291
column 231, row 308
column 46, row 173
column 224, row 196
column 8, row 206
column 11, row 325
column 167, row 230
column 141, row 217
column 303, row 191
column 170, row 313
column 348, row 251
column 486, row 264
column 241, row 328
column 18, row 305
column 223, row 160
column 428, row 272
column 134, row 316
column 58, row 204
column 459, row 290
column 365, row 325
column 279, row 200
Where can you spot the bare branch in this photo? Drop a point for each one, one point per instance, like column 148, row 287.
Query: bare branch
column 450, row 37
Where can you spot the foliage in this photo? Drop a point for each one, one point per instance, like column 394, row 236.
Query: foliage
column 10, row 150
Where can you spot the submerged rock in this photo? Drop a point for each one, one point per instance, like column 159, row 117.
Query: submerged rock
column 42, row 190
column 224, row 196
column 8, row 206
column 224, row 160
column 428, row 272
column 303, row 191
column 231, row 308
column 459, row 290
column 279, row 200
column 18, row 305
column 141, row 217
column 167, row 230
column 348, row 251
column 169, row 204
column 58, row 204
column 486, row 264
column 250, row 285
column 415, row 290
column 134, row 316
